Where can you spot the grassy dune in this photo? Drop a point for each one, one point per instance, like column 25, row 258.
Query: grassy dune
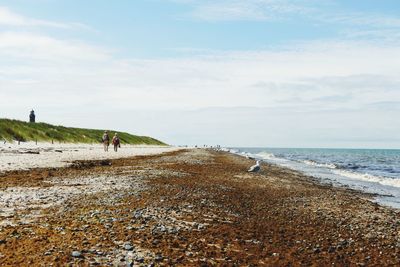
column 14, row 130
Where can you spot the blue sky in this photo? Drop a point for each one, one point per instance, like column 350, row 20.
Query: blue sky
column 278, row 73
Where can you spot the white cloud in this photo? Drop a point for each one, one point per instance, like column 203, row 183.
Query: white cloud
column 317, row 12
column 10, row 18
column 362, row 19
column 246, row 10
column 24, row 45
column 320, row 87
column 298, row 75
column 314, row 76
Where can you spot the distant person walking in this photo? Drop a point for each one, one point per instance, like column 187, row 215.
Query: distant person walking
column 116, row 142
column 106, row 141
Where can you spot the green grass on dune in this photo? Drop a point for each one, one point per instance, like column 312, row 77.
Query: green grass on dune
column 14, row 130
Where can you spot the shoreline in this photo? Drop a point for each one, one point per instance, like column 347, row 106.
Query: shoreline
column 384, row 188
column 189, row 207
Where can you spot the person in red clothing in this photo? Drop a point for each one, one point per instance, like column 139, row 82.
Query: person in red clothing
column 116, row 142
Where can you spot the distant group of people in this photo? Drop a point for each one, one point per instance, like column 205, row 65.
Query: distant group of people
column 115, row 141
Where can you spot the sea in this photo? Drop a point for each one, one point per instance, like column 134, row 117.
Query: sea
column 375, row 171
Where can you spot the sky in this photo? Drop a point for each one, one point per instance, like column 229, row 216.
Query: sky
column 266, row 73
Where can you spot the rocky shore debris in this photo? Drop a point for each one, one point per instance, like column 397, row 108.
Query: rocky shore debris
column 196, row 208
column 90, row 164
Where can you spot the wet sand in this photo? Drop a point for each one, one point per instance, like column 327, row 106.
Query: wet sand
column 188, row 207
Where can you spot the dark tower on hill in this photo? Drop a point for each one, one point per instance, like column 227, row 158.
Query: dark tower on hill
column 32, row 116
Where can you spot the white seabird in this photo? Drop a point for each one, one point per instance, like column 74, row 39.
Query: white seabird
column 255, row 168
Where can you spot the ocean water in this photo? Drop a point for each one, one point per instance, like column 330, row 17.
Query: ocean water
column 374, row 171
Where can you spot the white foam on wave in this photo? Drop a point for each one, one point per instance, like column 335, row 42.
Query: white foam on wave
column 369, row 178
column 322, row 165
column 265, row 155
column 233, row 151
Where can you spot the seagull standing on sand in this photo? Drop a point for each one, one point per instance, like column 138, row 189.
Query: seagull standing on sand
column 255, row 168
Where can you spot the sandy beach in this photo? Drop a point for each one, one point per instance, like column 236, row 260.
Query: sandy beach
column 29, row 155
column 191, row 207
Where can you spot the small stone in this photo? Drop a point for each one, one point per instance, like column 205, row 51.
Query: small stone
column 137, row 214
column 128, row 247
column 76, row 254
column 200, row 227
column 140, row 259
column 158, row 258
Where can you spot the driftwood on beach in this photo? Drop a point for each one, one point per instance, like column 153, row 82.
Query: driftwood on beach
column 30, row 152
